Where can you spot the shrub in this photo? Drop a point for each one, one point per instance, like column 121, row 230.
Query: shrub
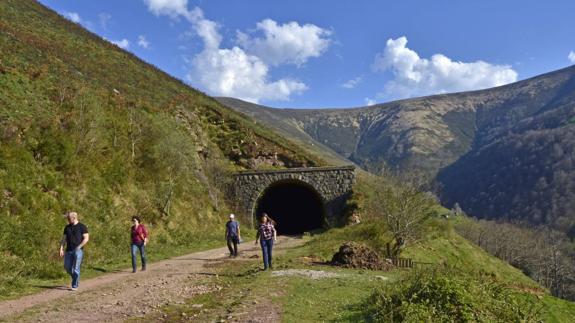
column 446, row 295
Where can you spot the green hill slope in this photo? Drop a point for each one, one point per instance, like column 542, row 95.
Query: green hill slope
column 283, row 122
column 89, row 127
column 86, row 126
column 453, row 280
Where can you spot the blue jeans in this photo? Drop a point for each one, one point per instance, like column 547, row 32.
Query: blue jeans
column 267, row 246
column 72, row 263
column 135, row 248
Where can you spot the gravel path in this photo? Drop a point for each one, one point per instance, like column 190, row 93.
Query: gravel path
column 312, row 274
column 117, row 296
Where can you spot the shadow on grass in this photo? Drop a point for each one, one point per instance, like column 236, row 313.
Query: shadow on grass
column 104, row 270
column 358, row 312
column 203, row 259
column 207, row 274
column 56, row 287
column 322, row 263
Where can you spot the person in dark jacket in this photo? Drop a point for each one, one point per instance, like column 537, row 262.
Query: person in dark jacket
column 75, row 238
column 267, row 236
column 233, row 235
column 139, row 237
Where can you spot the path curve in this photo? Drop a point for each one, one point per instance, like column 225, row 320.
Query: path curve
column 117, row 296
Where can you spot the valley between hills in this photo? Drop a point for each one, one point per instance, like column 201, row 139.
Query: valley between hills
column 501, row 153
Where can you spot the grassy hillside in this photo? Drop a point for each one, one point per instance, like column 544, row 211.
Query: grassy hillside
column 454, row 280
column 282, row 121
column 86, row 126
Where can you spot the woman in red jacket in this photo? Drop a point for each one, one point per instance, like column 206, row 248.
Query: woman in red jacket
column 139, row 240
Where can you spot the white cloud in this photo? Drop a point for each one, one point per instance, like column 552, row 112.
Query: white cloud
column 172, row 8
column 289, row 43
column 143, row 42
column 350, row 84
column 571, row 57
column 369, row 102
column 73, row 16
column 233, row 72
column 226, row 71
column 104, row 19
column 416, row 76
column 206, row 29
column 123, row 43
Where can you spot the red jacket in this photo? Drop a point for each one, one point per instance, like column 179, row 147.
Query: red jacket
column 139, row 234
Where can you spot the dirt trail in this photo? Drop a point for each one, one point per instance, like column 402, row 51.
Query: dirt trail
column 117, row 296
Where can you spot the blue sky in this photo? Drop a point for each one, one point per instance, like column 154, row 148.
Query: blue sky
column 320, row 53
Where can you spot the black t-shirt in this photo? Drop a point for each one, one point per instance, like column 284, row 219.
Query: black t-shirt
column 74, row 235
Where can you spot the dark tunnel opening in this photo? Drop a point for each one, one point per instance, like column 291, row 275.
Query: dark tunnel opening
column 295, row 206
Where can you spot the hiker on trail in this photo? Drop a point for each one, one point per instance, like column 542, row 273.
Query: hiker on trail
column 267, row 236
column 75, row 238
column 233, row 235
column 139, row 236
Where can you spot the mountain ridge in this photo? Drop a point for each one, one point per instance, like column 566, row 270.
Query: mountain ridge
column 430, row 134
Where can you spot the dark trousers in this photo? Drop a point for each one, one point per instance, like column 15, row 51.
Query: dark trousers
column 233, row 245
column 267, row 246
column 134, row 251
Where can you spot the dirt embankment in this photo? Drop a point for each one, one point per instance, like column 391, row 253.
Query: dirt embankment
column 356, row 255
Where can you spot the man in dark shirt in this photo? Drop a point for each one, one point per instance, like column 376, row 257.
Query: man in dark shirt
column 233, row 235
column 75, row 237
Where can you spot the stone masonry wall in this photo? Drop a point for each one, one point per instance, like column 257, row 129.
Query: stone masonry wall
column 333, row 184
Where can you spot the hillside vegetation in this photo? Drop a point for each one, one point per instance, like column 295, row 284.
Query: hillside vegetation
column 86, row 126
column 453, row 280
column 283, row 123
column 546, row 255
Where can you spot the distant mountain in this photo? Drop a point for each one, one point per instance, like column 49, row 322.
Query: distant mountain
column 500, row 152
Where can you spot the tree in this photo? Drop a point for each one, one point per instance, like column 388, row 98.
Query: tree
column 544, row 254
column 403, row 208
column 134, row 129
column 167, row 152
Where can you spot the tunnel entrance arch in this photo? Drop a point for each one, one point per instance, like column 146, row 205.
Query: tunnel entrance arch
column 332, row 185
column 295, row 205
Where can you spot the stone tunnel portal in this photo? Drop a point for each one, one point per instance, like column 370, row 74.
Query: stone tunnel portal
column 294, row 205
column 299, row 199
